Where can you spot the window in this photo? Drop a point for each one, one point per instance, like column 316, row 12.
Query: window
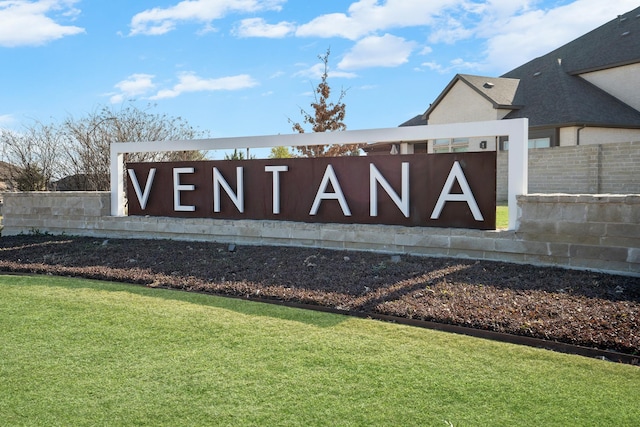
column 450, row 145
column 533, row 143
column 540, row 143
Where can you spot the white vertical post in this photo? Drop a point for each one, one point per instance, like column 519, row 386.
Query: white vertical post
column 518, row 161
column 117, row 182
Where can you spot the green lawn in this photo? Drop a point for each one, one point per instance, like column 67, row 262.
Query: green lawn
column 76, row 352
column 502, row 215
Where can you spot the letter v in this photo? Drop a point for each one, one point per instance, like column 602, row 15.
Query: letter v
column 142, row 197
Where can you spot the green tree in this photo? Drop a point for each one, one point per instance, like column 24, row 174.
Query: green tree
column 280, row 153
column 327, row 117
column 237, row 155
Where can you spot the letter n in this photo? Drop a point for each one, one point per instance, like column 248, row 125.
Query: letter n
column 237, row 198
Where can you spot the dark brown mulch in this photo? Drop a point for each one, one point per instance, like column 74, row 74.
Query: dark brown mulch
column 575, row 307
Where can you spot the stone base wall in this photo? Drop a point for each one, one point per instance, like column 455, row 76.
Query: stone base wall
column 600, row 232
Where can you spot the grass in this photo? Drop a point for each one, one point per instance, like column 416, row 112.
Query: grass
column 502, row 215
column 77, row 352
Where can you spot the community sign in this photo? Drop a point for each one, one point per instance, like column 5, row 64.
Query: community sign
column 427, row 190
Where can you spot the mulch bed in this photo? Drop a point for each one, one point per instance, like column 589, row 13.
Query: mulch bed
column 575, row 307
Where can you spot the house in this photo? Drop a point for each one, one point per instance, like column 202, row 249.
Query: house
column 585, row 92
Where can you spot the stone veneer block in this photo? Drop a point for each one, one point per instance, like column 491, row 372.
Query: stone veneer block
column 303, row 230
column 505, row 257
column 598, row 253
column 631, row 213
column 466, row 253
column 559, row 250
column 538, row 227
column 367, row 246
column 621, row 242
column 472, row 243
column 442, row 241
column 571, row 212
column 521, row 246
column 612, row 213
column 546, row 260
column 600, row 265
column 373, row 237
column 244, row 229
column 581, row 228
column 330, row 244
column 275, row 233
column 330, row 234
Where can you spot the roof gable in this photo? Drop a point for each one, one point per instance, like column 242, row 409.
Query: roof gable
column 498, row 91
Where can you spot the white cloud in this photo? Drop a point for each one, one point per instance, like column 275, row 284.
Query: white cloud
column 190, row 82
column 450, row 31
column 28, row 24
column 132, row 86
column 366, row 17
column 374, row 51
column 142, row 85
column 527, row 34
column 6, row 120
column 455, row 65
column 160, row 20
column 512, row 32
column 316, row 71
column 257, row 27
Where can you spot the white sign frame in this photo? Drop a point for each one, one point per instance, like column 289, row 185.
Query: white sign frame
column 516, row 131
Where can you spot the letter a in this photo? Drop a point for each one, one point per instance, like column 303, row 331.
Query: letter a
column 330, row 176
column 466, row 196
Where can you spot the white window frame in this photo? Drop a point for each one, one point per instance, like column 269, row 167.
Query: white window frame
column 450, row 145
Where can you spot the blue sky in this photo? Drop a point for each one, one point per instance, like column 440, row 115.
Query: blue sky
column 243, row 67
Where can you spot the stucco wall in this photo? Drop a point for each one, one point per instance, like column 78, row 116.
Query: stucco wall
column 622, row 82
column 586, row 232
column 456, row 107
column 596, row 136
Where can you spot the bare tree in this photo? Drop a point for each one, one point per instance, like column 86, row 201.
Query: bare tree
column 88, row 140
column 34, row 155
column 327, row 117
column 79, row 149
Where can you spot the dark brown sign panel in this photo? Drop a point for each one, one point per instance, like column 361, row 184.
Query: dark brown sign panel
column 441, row 190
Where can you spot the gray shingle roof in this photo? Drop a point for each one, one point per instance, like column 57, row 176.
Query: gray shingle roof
column 415, row 121
column 549, row 91
column 553, row 94
column 552, row 97
column 613, row 44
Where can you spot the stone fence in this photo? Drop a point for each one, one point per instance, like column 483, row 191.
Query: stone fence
column 585, row 169
column 595, row 232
